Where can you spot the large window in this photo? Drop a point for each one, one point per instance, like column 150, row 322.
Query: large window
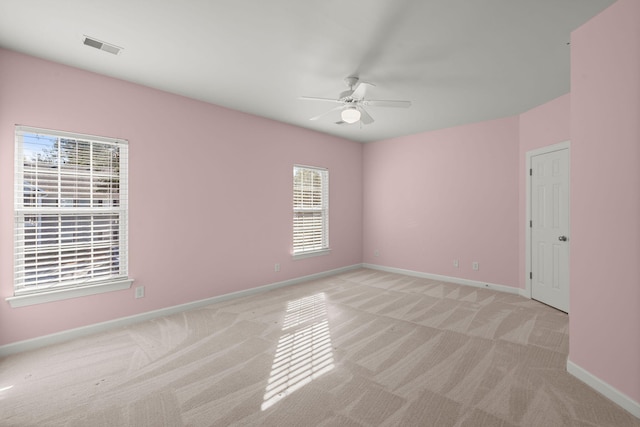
column 310, row 210
column 70, row 213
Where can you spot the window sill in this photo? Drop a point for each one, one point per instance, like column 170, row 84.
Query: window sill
column 311, row 254
column 62, row 294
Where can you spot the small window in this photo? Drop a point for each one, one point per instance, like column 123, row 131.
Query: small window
column 310, row 210
column 70, row 212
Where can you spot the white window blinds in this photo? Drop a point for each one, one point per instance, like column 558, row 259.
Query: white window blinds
column 310, row 209
column 70, row 210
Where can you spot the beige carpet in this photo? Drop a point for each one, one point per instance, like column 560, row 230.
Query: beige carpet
column 364, row 348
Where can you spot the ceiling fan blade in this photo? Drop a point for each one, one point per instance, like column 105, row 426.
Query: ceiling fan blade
column 313, row 98
column 365, row 118
column 385, row 103
column 319, row 116
column 360, row 90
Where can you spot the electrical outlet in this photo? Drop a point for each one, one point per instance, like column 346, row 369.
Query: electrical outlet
column 140, row 292
column 276, row 267
column 456, row 264
column 376, row 253
column 475, row 265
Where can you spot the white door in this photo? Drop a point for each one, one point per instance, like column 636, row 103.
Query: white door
column 550, row 228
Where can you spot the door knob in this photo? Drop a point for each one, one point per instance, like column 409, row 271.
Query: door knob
column 562, row 238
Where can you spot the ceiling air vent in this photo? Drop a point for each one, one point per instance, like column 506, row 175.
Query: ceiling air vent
column 89, row 41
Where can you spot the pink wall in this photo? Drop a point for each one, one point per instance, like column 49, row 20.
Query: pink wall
column 544, row 125
column 605, row 202
column 210, row 192
column 443, row 195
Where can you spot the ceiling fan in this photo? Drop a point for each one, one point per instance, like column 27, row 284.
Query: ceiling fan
column 352, row 103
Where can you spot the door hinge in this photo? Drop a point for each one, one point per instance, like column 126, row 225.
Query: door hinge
column 530, row 172
column 530, row 224
column 530, row 275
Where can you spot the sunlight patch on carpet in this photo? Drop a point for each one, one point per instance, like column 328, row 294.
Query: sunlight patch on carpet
column 304, row 350
column 3, row 389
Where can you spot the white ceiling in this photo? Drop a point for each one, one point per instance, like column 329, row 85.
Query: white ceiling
column 458, row 61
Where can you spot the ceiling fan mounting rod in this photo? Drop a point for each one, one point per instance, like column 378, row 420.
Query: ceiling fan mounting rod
column 351, row 81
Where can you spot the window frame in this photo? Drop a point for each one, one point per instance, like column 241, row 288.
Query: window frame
column 74, row 286
column 324, row 249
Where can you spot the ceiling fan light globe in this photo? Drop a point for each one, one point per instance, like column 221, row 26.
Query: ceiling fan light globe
column 350, row 115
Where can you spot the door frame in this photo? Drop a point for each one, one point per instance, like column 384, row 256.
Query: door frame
column 528, row 230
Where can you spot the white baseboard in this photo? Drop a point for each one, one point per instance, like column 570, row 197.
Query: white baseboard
column 457, row 280
column 605, row 389
column 70, row 334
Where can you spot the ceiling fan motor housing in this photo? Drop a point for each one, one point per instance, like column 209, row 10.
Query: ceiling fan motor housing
column 346, row 96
